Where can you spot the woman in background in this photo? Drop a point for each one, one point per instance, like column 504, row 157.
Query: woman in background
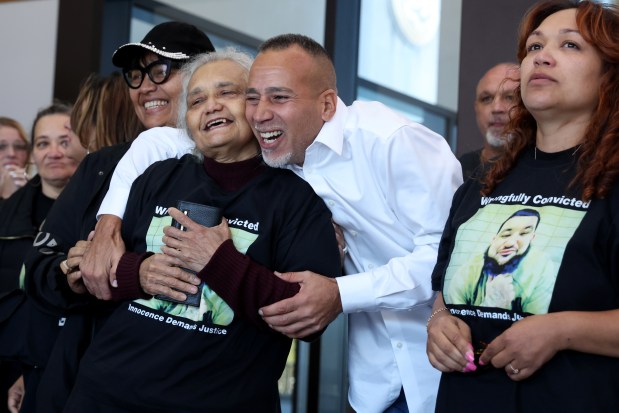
column 56, row 153
column 102, row 116
column 562, row 164
column 14, row 154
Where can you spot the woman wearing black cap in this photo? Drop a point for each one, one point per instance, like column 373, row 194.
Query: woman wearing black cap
column 73, row 216
column 151, row 68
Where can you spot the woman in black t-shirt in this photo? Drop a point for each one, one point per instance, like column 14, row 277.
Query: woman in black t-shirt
column 562, row 353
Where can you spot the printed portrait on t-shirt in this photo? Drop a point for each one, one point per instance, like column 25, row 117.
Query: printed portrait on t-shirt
column 508, row 256
column 210, row 309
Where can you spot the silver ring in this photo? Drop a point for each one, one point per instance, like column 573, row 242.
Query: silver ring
column 514, row 371
column 345, row 250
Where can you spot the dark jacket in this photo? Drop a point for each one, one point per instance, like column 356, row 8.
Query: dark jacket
column 37, row 328
column 69, row 221
column 17, row 232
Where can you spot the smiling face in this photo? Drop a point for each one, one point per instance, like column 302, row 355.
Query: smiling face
column 216, row 112
column 56, row 151
column 513, row 238
column 287, row 104
column 13, row 149
column 561, row 72
column 493, row 100
column 156, row 105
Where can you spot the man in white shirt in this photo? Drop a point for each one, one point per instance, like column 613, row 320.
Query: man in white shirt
column 388, row 183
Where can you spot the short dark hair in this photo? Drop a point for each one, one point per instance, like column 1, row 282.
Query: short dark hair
column 311, row 47
column 526, row 212
column 57, row 108
column 284, row 41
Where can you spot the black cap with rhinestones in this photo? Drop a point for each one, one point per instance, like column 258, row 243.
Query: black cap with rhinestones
column 172, row 40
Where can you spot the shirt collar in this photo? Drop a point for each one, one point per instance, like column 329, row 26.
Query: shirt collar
column 332, row 132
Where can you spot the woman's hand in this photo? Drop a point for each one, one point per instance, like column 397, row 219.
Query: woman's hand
column 18, row 175
column 195, row 246
column 159, row 274
column 12, row 178
column 449, row 341
column 71, row 267
column 16, row 395
column 524, row 347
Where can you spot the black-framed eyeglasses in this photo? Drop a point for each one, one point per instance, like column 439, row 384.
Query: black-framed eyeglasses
column 158, row 72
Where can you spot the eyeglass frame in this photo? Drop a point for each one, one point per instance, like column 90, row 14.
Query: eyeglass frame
column 16, row 147
column 170, row 64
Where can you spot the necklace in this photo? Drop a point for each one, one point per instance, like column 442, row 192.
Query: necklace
column 573, row 153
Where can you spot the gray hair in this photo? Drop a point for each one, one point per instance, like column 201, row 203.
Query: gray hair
column 187, row 71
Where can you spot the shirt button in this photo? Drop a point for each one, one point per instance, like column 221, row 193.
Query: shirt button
column 100, row 173
column 331, row 203
column 399, row 345
column 353, row 233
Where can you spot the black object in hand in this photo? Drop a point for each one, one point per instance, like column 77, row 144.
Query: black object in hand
column 204, row 215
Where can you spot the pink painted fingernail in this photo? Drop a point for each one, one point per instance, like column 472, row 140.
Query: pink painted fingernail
column 481, row 362
column 469, row 356
column 469, row 368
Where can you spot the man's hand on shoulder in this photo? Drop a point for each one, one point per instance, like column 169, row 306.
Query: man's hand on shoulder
column 315, row 305
column 98, row 266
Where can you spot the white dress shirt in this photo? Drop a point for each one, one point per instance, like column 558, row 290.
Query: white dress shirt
column 388, row 183
column 150, row 146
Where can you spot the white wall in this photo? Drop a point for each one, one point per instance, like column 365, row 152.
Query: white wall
column 28, row 50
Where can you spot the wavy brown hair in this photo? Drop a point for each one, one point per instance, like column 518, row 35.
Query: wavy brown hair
column 103, row 114
column 598, row 164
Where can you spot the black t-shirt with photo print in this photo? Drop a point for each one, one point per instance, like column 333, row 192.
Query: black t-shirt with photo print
column 154, row 355
column 531, row 247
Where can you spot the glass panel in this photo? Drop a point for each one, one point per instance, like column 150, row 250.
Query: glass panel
column 399, row 51
column 399, row 46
